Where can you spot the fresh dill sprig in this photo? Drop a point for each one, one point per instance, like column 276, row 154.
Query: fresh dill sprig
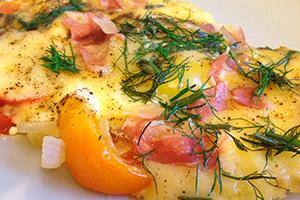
column 159, row 38
column 269, row 139
column 46, row 18
column 265, row 175
column 217, row 177
column 265, row 74
column 153, row 6
column 177, row 110
column 146, row 168
column 266, row 136
column 58, row 61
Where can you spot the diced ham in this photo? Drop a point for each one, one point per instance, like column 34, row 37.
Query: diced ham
column 160, row 143
column 93, row 35
column 148, row 111
column 118, row 4
column 210, row 28
column 106, row 25
column 139, row 2
column 245, row 96
column 111, row 4
column 5, row 124
column 95, row 56
column 233, row 34
column 218, row 100
column 221, row 66
column 174, row 149
column 89, row 28
column 134, row 126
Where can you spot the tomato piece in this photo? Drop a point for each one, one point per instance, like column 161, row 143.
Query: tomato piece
column 14, row 102
column 92, row 160
column 8, row 7
column 5, row 124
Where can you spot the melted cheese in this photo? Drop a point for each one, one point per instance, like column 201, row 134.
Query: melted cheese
column 21, row 69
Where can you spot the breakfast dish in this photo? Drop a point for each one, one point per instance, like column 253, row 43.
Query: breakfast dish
column 152, row 99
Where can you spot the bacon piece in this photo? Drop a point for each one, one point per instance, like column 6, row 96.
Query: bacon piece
column 139, row 2
column 245, row 97
column 162, row 145
column 159, row 143
column 221, row 66
column 235, row 34
column 174, row 149
column 111, row 4
column 210, row 28
column 89, row 28
column 134, row 126
column 220, row 102
column 118, row 4
column 96, row 56
column 218, row 99
column 93, row 35
column 148, row 111
column 5, row 124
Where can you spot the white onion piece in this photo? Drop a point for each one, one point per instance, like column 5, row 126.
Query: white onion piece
column 53, row 152
column 48, row 128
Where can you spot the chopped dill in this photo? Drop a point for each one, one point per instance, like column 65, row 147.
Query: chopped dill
column 265, row 175
column 46, row 18
column 266, row 136
column 262, row 136
column 58, row 61
column 153, row 6
column 148, row 170
column 159, row 38
column 268, row 139
column 265, row 74
column 177, row 111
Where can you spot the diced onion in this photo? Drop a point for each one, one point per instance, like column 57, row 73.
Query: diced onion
column 47, row 127
column 53, row 152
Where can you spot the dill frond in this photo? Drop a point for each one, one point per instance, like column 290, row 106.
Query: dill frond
column 58, row 61
column 265, row 74
column 159, row 39
column 46, row 18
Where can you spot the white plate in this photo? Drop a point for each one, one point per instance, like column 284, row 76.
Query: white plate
column 266, row 23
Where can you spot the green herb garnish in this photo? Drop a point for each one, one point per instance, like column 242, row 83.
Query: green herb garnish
column 46, row 18
column 58, row 61
column 265, row 175
column 265, row 74
column 153, row 6
column 159, row 39
column 269, row 139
